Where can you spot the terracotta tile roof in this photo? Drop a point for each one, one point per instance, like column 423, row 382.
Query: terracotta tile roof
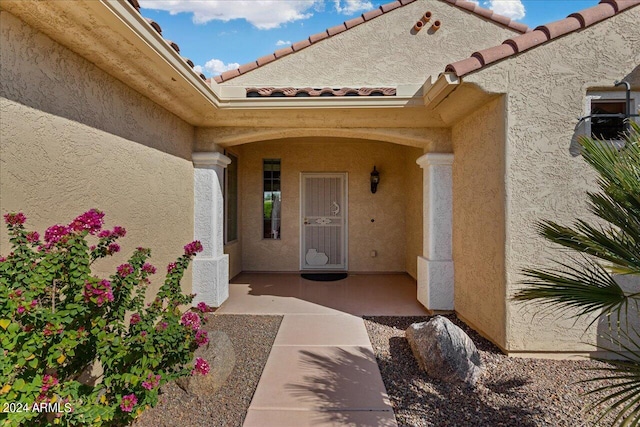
column 367, row 16
column 510, row 47
column 153, row 24
column 254, row 92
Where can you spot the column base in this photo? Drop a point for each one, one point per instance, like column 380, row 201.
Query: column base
column 211, row 280
column 435, row 284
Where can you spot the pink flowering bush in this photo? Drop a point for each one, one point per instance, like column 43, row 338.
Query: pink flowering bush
column 57, row 320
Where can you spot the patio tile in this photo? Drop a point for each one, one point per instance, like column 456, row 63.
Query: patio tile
column 321, row 378
column 322, row 330
column 304, row 418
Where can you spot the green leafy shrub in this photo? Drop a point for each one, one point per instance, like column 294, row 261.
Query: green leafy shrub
column 58, row 322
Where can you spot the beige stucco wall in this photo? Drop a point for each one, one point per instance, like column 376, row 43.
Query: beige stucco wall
column 383, row 52
column 546, row 89
column 387, row 235
column 73, row 138
column 478, row 219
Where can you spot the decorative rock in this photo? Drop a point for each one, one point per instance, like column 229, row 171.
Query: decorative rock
column 445, row 351
column 220, row 355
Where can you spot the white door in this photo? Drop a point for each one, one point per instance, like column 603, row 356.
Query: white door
column 323, row 214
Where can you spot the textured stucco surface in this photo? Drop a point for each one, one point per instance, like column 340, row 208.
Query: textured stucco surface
column 478, row 219
column 383, row 51
column 388, row 207
column 546, row 89
column 73, row 138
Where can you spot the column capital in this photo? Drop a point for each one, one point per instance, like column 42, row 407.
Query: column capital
column 207, row 159
column 430, row 159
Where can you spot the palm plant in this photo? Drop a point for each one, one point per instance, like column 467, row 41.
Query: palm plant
column 586, row 285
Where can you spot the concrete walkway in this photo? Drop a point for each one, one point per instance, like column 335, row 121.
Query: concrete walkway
column 321, row 370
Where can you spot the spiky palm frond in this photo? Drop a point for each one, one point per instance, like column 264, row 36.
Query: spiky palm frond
column 588, row 286
column 622, row 380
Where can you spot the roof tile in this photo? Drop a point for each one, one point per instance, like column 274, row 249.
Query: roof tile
column 317, row 37
column 173, row 45
column 465, row 66
column 561, row 27
column 154, row 24
column 353, row 22
column 390, row 6
column 368, row 16
column 283, row 52
column 493, row 54
column 527, row 41
column 620, row 5
column 218, row 79
column 542, row 34
column 229, row 74
column 336, row 30
column 265, row 59
column 248, row 67
column 595, row 14
column 253, row 92
column 300, row 45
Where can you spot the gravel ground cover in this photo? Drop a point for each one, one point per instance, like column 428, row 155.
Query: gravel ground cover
column 511, row 391
column 252, row 338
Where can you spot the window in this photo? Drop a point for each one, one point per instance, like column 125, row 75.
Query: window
column 231, row 199
column 611, row 107
column 271, row 198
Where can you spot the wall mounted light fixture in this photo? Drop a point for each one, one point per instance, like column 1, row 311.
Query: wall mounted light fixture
column 375, row 179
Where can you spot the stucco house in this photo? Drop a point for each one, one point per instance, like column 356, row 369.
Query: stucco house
column 467, row 116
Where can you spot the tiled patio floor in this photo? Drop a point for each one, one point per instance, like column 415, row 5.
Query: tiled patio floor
column 360, row 294
column 321, row 370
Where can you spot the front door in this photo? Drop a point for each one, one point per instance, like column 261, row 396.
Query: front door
column 323, row 214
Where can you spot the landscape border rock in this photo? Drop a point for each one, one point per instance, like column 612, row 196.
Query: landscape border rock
column 444, row 351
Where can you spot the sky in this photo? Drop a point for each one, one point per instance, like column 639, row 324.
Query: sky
column 219, row 35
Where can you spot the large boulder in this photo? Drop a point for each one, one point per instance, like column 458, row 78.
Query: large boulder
column 445, row 351
column 221, row 356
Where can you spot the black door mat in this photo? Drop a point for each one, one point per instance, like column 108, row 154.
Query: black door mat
column 324, row 277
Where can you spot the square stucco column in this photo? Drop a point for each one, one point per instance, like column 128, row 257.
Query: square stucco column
column 211, row 266
column 435, row 266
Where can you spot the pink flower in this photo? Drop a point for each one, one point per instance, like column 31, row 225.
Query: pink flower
column 148, row 268
column 202, row 367
column 119, row 231
column 135, row 318
column 152, row 383
column 113, row 248
column 193, row 248
column 21, row 310
column 15, row 218
column 201, row 337
column 34, row 303
column 143, row 334
column 172, row 266
column 48, row 381
column 128, row 402
column 33, row 237
column 203, row 307
column 2, row 259
column 162, row 326
column 191, row 319
column 55, row 233
column 18, row 292
column 91, row 221
column 98, row 292
column 92, row 248
column 124, row 270
column 104, row 234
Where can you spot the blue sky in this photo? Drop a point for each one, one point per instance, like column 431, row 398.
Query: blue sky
column 218, row 35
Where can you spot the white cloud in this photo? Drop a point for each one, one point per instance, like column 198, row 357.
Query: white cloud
column 513, row 9
column 264, row 14
column 283, row 43
column 352, row 6
column 215, row 67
